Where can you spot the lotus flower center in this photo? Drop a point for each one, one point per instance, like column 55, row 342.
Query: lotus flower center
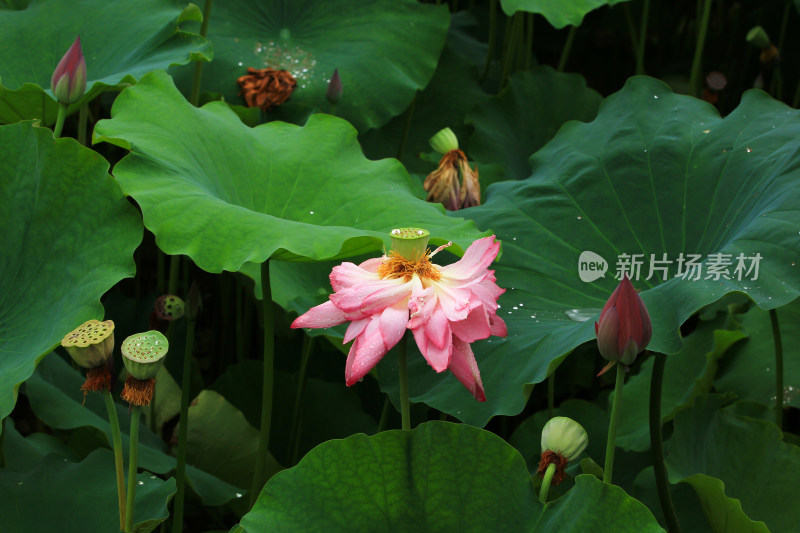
column 396, row 266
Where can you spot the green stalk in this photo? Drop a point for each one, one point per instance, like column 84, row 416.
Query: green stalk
column 259, row 477
column 194, row 97
column 512, row 45
column 294, row 436
column 551, row 390
column 616, row 409
column 492, row 39
column 384, row 414
column 657, row 445
column 776, row 337
column 183, row 427
column 239, row 320
column 117, row 441
column 698, row 51
column 405, row 406
column 83, row 118
column 407, row 126
column 642, row 38
column 133, row 459
column 62, row 114
column 529, row 42
column 2, row 438
column 546, row 480
column 562, row 62
column 631, row 28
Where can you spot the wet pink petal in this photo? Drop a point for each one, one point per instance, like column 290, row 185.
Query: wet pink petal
column 366, row 351
column 474, row 327
column 354, row 329
column 465, row 368
column 393, row 324
column 322, row 316
column 478, row 256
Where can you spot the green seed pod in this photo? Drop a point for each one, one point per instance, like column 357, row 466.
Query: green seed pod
column 169, row 307
column 91, row 344
column 143, row 354
column 410, row 243
column 564, row 436
column 444, row 141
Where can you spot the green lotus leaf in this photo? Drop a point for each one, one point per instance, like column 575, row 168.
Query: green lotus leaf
column 121, row 42
column 525, row 115
column 385, row 50
column 224, row 194
column 742, row 471
column 655, row 173
column 449, row 477
column 58, row 495
column 559, row 13
column 70, row 236
column 749, row 369
column 56, row 399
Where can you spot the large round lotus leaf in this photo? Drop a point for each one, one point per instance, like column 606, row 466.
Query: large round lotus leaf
column 559, row 13
column 525, row 115
column 385, row 50
column 78, row 496
column 656, row 173
column 121, row 42
column 225, row 194
column 447, row 477
column 749, row 369
column 68, row 236
column 743, row 472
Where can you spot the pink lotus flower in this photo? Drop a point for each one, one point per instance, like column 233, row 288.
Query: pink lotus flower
column 446, row 308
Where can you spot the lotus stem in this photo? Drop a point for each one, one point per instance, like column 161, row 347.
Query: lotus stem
column 698, row 51
column 512, row 45
column 657, row 445
column 62, row 114
column 384, row 414
column 642, row 38
column 183, row 428
column 83, row 118
column 528, row 42
column 259, row 477
column 294, row 437
column 407, row 126
column 562, row 62
column 402, row 366
column 194, row 97
column 117, row 441
column 551, row 390
column 776, row 337
column 133, row 458
column 492, row 39
column 548, row 477
column 616, row 409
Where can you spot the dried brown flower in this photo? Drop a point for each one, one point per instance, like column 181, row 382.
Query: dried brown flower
column 266, row 88
column 443, row 185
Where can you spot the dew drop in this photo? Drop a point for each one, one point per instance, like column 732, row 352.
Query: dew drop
column 580, row 217
column 140, row 483
column 311, row 212
column 238, row 494
column 655, row 96
column 749, row 150
column 706, row 131
column 240, row 63
column 581, row 315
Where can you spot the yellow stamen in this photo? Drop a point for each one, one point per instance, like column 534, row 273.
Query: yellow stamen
column 395, row 266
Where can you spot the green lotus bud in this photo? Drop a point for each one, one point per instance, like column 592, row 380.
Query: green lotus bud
column 169, row 307
column 143, row 354
column 564, row 436
column 90, row 344
column 444, row 141
column 758, row 37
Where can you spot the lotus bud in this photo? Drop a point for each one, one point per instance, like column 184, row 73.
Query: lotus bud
column 444, row 141
column 194, row 302
column 69, row 79
column 334, row 92
column 563, row 440
column 624, row 329
column 169, row 307
column 758, row 37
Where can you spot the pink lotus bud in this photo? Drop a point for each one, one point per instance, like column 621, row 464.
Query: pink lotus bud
column 624, row 328
column 69, row 79
column 334, row 93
